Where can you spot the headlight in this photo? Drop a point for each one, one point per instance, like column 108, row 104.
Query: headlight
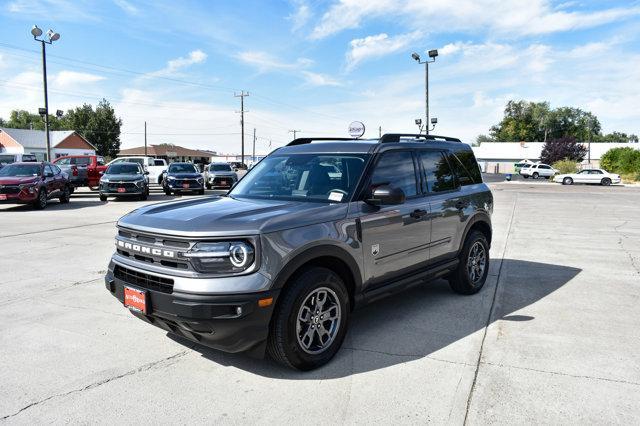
column 28, row 186
column 222, row 257
column 200, row 180
column 104, row 179
column 140, row 183
column 171, row 178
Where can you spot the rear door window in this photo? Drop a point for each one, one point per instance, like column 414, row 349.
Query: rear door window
column 438, row 172
column 83, row 161
column 7, row 159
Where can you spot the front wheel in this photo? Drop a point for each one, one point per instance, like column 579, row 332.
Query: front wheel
column 41, row 201
column 201, row 192
column 167, row 191
column 473, row 267
column 103, row 198
column 535, row 175
column 66, row 195
column 605, row 182
column 310, row 320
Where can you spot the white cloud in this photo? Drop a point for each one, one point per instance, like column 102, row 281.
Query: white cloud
column 301, row 16
column 126, row 6
column 266, row 62
column 376, row 46
column 515, row 17
column 316, row 79
column 175, row 65
column 71, row 79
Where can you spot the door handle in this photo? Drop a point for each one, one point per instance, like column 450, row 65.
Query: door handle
column 461, row 205
column 418, row 213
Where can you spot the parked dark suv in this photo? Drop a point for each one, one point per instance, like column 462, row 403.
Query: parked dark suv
column 183, row 177
column 313, row 231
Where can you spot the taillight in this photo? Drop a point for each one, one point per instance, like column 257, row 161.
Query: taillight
column 74, row 170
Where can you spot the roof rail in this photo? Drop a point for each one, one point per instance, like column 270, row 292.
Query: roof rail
column 395, row 137
column 302, row 141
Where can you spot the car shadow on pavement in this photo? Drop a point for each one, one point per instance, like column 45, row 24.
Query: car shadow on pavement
column 418, row 322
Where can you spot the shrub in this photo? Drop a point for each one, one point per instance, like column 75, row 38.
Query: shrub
column 563, row 148
column 623, row 161
column 566, row 166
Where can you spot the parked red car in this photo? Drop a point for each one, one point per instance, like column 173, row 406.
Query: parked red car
column 33, row 183
column 83, row 170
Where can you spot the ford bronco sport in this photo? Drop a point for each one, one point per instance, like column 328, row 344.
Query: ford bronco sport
column 313, row 231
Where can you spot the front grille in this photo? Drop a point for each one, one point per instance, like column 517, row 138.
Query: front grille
column 9, row 189
column 140, row 279
column 192, row 183
column 150, row 240
column 217, row 181
column 127, row 185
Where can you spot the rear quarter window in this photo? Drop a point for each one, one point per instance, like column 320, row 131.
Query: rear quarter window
column 466, row 167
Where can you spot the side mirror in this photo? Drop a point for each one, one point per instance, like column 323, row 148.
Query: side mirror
column 146, row 172
column 385, row 195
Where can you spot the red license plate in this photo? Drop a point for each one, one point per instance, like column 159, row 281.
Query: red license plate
column 3, row 196
column 122, row 189
column 185, row 185
column 135, row 299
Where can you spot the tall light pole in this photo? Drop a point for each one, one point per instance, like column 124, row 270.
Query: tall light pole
column 242, row 95
column 51, row 36
column 432, row 55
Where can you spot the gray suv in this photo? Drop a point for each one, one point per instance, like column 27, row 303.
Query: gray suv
column 316, row 229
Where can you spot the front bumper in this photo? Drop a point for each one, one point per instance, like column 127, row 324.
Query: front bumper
column 227, row 322
column 179, row 186
column 22, row 197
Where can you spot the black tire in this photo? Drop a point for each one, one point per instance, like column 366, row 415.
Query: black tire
column 201, row 192
column 605, row 182
column 208, row 186
column 66, row 195
column 144, row 196
column 103, row 198
column 525, row 176
column 535, row 175
column 72, row 189
column 41, row 201
column 567, row 181
column 283, row 344
column 167, row 191
column 460, row 280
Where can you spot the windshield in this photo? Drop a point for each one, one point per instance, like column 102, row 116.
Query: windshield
column 220, row 168
column 124, row 169
column 303, row 177
column 182, row 168
column 20, row 170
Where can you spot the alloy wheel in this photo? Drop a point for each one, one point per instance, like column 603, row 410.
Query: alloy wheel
column 476, row 262
column 318, row 320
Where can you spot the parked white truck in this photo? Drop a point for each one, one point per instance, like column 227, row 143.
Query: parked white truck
column 155, row 166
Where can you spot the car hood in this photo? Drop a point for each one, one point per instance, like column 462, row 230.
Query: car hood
column 226, row 216
column 124, row 178
column 184, row 175
column 15, row 180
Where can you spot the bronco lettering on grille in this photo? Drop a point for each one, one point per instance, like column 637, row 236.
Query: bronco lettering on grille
column 145, row 250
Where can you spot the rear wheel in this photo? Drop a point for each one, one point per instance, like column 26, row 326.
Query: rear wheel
column 310, row 320
column 567, row 181
column 41, row 201
column 473, row 268
column 525, row 176
column 605, row 182
column 66, row 195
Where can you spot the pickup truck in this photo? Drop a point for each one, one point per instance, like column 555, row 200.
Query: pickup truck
column 83, row 170
column 155, row 166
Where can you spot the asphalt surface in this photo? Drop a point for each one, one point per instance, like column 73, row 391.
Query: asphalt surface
column 552, row 338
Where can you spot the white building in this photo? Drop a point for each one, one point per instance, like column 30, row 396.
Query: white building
column 500, row 157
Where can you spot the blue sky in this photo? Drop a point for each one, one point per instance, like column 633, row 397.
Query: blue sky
column 317, row 65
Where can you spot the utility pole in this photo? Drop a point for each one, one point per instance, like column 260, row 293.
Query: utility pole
column 253, row 156
column 145, row 138
column 241, row 96
column 294, row 133
column 379, row 131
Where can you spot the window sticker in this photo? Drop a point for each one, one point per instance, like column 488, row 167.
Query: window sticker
column 336, row 196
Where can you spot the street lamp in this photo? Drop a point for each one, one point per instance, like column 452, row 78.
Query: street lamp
column 434, row 121
column 432, row 55
column 51, row 37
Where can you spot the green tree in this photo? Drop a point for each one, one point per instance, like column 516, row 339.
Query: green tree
column 617, row 137
column 567, row 122
column 22, row 119
column 624, row 160
column 484, row 138
column 522, row 121
column 101, row 127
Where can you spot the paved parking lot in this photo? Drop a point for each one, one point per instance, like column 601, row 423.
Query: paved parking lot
column 552, row 338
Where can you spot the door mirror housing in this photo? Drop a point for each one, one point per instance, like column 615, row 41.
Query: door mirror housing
column 146, row 172
column 386, row 195
column 48, row 174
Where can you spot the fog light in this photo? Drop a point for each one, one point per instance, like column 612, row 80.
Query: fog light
column 239, row 310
